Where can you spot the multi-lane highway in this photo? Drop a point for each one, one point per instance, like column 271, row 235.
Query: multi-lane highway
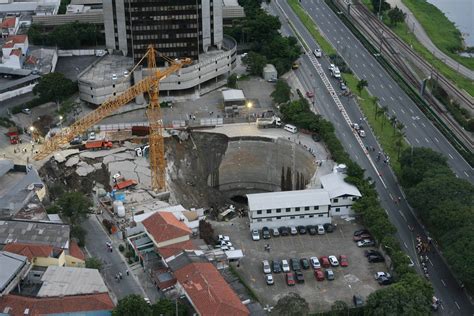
column 419, row 132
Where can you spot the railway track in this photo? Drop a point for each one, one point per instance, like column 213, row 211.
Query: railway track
column 396, row 51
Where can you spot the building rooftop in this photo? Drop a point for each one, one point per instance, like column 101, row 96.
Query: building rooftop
column 164, row 226
column 336, row 186
column 75, row 251
column 301, row 198
column 14, row 39
column 174, row 249
column 208, row 291
column 233, row 95
column 186, row 257
column 56, row 235
column 8, row 22
column 16, row 305
column 11, row 264
column 65, row 281
column 29, row 250
column 100, row 73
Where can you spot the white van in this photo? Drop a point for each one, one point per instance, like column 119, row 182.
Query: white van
column 291, row 128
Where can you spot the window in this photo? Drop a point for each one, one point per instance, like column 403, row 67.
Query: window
column 320, row 215
column 269, row 211
column 336, row 200
column 292, row 217
column 306, row 208
column 288, row 210
column 301, row 216
column 259, row 220
column 259, row 212
column 269, row 219
column 338, row 209
column 316, row 207
column 297, row 209
column 278, row 210
column 311, row 216
column 278, row 217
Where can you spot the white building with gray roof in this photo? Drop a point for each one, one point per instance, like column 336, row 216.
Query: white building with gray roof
column 14, row 268
column 342, row 194
column 288, row 208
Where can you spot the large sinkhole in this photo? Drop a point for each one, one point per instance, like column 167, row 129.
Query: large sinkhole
column 230, row 168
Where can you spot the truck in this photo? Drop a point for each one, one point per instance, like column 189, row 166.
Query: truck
column 98, row 144
column 273, row 121
column 14, row 135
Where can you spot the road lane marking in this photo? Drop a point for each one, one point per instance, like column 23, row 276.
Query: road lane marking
column 403, row 111
column 427, row 140
column 450, row 156
column 402, row 215
column 400, row 97
column 390, row 86
column 414, row 125
column 392, row 98
column 456, row 305
column 380, row 75
column 381, row 86
column 466, row 174
column 417, row 140
column 436, row 139
column 423, row 124
column 373, row 76
column 442, row 281
column 386, row 211
column 406, row 246
column 363, row 65
column 363, row 55
column 371, row 65
column 412, row 111
column 431, row 262
column 382, row 98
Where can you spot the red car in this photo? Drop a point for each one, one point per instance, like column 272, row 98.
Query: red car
column 362, row 237
column 290, row 279
column 319, row 275
column 324, row 262
column 309, row 94
column 343, row 262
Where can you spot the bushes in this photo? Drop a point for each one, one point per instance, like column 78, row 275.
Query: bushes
column 206, row 232
column 67, row 36
column 6, row 122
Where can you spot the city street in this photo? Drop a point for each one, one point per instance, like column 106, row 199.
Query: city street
column 455, row 302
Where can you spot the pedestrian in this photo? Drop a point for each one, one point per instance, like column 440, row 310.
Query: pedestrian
column 127, row 272
column 399, row 199
column 429, row 240
column 120, row 275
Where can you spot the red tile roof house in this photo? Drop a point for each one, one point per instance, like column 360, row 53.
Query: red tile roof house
column 169, row 235
column 15, row 305
column 207, row 291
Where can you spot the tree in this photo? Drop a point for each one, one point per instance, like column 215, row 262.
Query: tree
column 93, row 263
column 74, row 206
column 79, row 233
column 393, row 121
column 380, row 5
column 282, row 92
column 167, row 307
column 54, row 87
column 256, row 63
column 132, row 305
column 396, row 16
column 232, row 81
column 206, row 232
column 375, row 101
column 361, row 84
column 383, row 112
column 291, row 305
column 339, row 308
column 415, row 162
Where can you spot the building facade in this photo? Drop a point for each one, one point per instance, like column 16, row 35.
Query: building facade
column 290, row 208
column 341, row 194
column 177, row 29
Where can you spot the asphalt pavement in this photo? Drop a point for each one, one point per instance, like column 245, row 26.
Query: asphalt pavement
column 455, row 302
column 114, row 263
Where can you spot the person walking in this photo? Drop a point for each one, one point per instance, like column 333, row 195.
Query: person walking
column 127, row 272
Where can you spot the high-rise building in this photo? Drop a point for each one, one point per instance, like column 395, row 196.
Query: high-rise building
column 184, row 28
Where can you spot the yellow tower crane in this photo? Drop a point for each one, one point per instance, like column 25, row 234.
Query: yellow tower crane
column 149, row 85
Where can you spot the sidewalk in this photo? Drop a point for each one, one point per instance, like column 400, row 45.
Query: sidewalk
column 425, row 40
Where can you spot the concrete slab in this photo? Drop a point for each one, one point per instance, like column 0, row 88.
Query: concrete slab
column 72, row 161
column 101, row 153
column 62, row 155
column 84, row 169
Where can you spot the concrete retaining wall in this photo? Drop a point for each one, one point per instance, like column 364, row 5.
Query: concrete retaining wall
column 17, row 92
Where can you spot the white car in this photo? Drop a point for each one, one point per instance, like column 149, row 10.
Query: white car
column 293, row 230
column 410, row 262
column 331, row 67
column 226, row 243
column 92, row 135
column 224, row 238
column 378, row 275
column 321, row 230
column 147, row 300
column 365, row 243
column 333, row 261
column 269, row 279
column 266, row 267
column 315, row 262
column 318, row 53
column 361, row 133
column 285, row 267
column 255, row 234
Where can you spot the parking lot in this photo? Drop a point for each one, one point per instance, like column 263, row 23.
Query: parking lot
column 356, row 279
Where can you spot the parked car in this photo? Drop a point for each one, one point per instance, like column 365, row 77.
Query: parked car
column 319, row 275
column 299, row 276
column 361, row 133
column 76, row 141
column 147, row 300
column 284, row 231
column 333, row 261
column 255, row 234
column 379, row 274
column 275, row 232
column 301, row 230
column 315, row 262
column 293, row 230
column 304, row 263
column 366, row 243
column 276, row 267
column 285, row 267
column 224, row 238
column 324, row 262
column 290, row 279
column 343, row 261
column 410, row 262
column 385, row 281
column 269, row 279
column 266, row 233
column 309, row 94
column 371, row 252
column 26, row 111
column 329, row 274
column 362, row 236
column 311, row 230
column 328, row 227
column 266, row 267
column 321, row 230
column 295, row 264
column 360, row 232
column 342, row 85
column 318, row 53
column 92, row 136
column 358, row 301
column 375, row 258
